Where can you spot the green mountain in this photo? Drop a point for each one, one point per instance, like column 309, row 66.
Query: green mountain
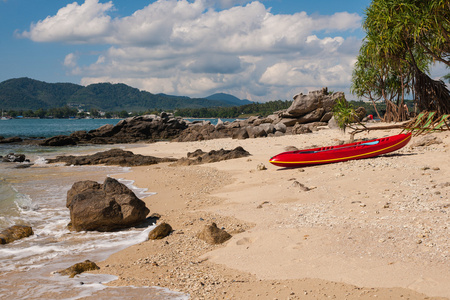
column 229, row 98
column 26, row 93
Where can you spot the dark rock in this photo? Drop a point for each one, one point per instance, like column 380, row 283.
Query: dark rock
column 15, row 232
column 11, row 157
column 200, row 157
column 79, row 268
column 213, row 235
column 256, row 132
column 301, row 129
column 240, row 134
column 361, row 113
column 14, row 139
column 59, row 140
column 160, row 232
column 111, row 157
column 104, row 207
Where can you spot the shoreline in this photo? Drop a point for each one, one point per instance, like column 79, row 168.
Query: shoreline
column 367, row 228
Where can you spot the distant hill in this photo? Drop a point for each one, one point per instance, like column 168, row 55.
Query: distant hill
column 26, row 93
column 234, row 101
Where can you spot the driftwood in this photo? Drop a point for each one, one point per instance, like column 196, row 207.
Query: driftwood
column 400, row 125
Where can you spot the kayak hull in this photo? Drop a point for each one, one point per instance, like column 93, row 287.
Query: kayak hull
column 340, row 153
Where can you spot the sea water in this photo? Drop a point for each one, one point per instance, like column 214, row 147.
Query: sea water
column 36, row 196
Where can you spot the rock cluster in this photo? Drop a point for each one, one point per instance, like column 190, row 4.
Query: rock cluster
column 104, row 207
column 306, row 114
column 130, row 130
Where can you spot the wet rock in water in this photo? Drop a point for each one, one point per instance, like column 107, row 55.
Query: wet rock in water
column 104, row 207
column 11, row 157
column 117, row 157
column 213, row 235
column 79, row 268
column 14, row 139
column 160, row 232
column 14, row 233
column 199, row 157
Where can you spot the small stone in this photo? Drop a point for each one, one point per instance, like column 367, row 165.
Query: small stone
column 261, row 167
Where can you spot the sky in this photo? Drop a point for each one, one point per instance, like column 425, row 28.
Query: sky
column 258, row 50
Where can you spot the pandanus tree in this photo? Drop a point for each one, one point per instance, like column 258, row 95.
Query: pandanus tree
column 403, row 39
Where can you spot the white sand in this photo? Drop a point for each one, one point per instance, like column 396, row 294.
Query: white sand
column 367, row 228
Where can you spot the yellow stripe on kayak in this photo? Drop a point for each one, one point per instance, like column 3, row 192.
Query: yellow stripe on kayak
column 336, row 159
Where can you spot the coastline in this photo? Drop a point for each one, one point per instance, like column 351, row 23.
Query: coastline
column 366, row 228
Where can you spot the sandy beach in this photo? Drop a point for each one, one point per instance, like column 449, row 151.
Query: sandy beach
column 364, row 229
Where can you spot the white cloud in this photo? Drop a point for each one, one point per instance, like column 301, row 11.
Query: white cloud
column 195, row 48
column 70, row 60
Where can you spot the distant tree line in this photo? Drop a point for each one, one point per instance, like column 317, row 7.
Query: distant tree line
column 261, row 109
column 64, row 113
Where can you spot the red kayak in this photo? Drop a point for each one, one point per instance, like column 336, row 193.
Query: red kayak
column 333, row 154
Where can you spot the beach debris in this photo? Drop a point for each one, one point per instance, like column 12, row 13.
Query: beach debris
column 261, row 167
column 290, row 148
column 213, row 235
column 111, row 157
column 104, row 207
column 160, row 231
column 14, row 233
column 300, row 186
column 261, row 205
column 200, row 157
column 79, row 268
column 426, row 140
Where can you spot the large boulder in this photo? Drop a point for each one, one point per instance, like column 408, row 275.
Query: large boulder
column 306, row 104
column 104, row 207
column 15, row 232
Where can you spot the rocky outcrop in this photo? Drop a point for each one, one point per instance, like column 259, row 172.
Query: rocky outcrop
column 314, row 107
column 79, row 268
column 111, row 157
column 104, row 207
column 199, row 157
column 130, row 130
column 213, row 235
column 14, row 233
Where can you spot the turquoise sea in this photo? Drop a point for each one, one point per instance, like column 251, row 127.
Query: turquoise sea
column 36, row 196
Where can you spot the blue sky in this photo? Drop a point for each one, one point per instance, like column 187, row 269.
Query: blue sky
column 260, row 50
